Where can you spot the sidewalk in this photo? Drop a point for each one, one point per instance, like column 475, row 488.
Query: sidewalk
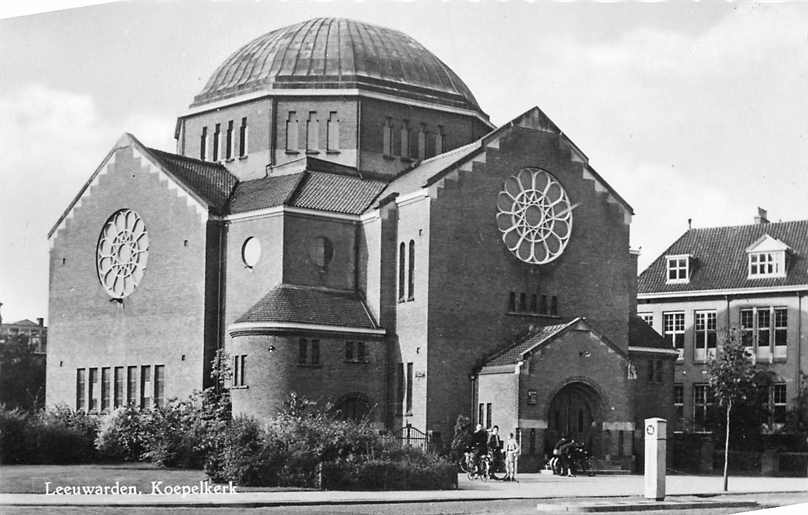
column 531, row 486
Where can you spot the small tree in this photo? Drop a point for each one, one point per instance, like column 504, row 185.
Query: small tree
column 732, row 378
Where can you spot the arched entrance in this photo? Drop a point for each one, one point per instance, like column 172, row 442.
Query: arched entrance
column 575, row 412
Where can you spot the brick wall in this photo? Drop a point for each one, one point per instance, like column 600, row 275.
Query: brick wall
column 162, row 322
column 272, row 375
column 472, row 273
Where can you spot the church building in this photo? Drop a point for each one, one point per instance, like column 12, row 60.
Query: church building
column 344, row 220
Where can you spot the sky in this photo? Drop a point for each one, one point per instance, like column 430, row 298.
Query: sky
column 689, row 110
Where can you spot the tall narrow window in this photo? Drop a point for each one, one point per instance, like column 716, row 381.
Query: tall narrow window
column 236, row 370
column 402, row 256
column 217, row 141
column 554, row 305
column 239, row 369
column 387, row 137
column 702, row 406
column 332, row 132
column 748, row 330
column 705, row 335
column 481, row 414
column 522, row 302
column 650, row 370
column 292, row 132
column 658, row 370
column 302, row 351
column 534, row 307
column 117, row 396
column 439, row 140
column 312, row 132
column 543, row 309
column 512, row 302
column 678, row 405
column 488, row 416
column 145, row 387
column 242, row 138
column 532, row 441
column 229, row 141
column 131, row 386
column 411, row 272
column 349, row 351
column 315, row 352
column 422, row 143
column 106, row 382
column 764, row 320
column 409, row 388
column 159, row 385
column 400, row 387
column 93, row 393
column 203, row 144
column 81, row 385
column 780, row 333
column 779, row 403
column 674, row 331
column 361, row 352
column 405, row 139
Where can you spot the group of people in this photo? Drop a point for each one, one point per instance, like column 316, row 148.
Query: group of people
column 562, row 461
column 482, row 444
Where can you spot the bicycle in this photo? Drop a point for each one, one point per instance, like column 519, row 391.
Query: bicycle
column 478, row 470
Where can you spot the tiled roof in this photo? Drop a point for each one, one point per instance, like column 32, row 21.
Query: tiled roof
column 334, row 192
column 335, row 53
column 513, row 354
column 305, row 305
column 262, row 193
column 337, row 193
column 210, row 181
column 720, row 260
column 23, row 322
column 640, row 334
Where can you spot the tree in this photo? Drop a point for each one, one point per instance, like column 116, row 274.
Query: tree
column 732, row 379
column 22, row 374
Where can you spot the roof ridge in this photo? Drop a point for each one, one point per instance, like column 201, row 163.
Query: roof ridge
column 716, row 227
column 188, row 158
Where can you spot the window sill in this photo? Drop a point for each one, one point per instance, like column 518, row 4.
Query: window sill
column 309, row 365
column 332, row 152
column 312, row 152
column 534, row 315
column 229, row 159
column 407, row 159
column 410, row 299
column 408, row 414
column 240, row 387
column 388, row 158
column 292, row 152
column 356, row 362
column 242, row 158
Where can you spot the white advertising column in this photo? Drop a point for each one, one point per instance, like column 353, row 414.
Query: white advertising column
column 655, row 449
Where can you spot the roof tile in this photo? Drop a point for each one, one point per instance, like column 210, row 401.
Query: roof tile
column 210, row 181
column 720, row 258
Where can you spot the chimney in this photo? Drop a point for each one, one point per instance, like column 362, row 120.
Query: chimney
column 689, row 223
column 761, row 217
column 41, row 322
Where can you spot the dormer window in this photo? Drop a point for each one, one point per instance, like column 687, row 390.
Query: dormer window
column 767, row 258
column 678, row 269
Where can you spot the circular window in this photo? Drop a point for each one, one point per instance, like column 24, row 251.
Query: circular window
column 535, row 216
column 251, row 251
column 122, row 253
column 321, row 251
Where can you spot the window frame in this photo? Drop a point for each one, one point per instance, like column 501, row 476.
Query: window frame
column 679, row 269
column 766, row 263
column 243, row 144
column 677, row 336
column 705, row 335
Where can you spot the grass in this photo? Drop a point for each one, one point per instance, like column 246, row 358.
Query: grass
column 30, row 479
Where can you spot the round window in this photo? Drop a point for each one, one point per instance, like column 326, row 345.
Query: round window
column 321, row 251
column 121, row 253
column 251, row 251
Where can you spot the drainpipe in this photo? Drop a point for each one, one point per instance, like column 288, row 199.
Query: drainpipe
column 799, row 342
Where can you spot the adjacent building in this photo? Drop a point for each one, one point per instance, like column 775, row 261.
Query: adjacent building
column 343, row 219
column 752, row 279
column 36, row 332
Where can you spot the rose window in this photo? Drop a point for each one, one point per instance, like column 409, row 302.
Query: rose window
column 535, row 216
column 122, row 252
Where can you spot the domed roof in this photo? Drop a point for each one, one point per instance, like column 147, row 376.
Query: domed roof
column 335, row 53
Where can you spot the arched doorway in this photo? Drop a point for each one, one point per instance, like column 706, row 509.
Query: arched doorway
column 352, row 407
column 575, row 412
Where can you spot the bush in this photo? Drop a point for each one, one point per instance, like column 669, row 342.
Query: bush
column 60, row 436
column 247, row 457
column 122, row 436
column 428, row 473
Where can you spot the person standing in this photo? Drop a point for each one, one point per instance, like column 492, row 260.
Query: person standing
column 511, row 455
column 495, row 445
column 478, row 445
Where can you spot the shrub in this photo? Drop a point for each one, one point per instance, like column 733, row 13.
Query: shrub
column 122, row 435
column 56, row 436
column 246, row 456
column 15, row 430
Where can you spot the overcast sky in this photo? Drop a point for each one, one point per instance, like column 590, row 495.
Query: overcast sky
column 688, row 110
